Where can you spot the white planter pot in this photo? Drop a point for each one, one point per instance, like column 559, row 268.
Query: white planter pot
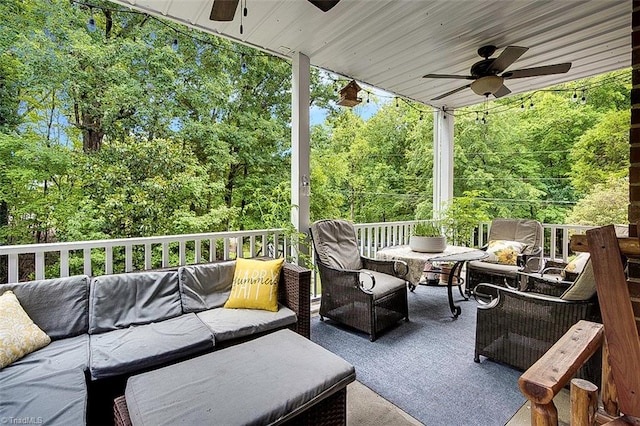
column 427, row 244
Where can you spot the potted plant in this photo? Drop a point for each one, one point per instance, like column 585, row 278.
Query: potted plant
column 427, row 237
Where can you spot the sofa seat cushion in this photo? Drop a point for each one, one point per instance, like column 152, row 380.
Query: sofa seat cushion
column 50, row 397
column 229, row 324
column 64, row 354
column 385, row 284
column 139, row 347
column 494, row 268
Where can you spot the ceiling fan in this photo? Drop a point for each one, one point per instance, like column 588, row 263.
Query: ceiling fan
column 225, row 10
column 484, row 73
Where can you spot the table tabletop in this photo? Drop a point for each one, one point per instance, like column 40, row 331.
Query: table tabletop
column 416, row 260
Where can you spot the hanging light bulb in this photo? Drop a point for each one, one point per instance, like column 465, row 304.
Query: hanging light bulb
column 368, row 97
column 574, row 98
column 531, row 106
column 477, row 118
column 522, row 107
column 243, row 65
column 397, row 103
column 91, row 24
column 421, row 117
column 174, row 45
column 583, row 100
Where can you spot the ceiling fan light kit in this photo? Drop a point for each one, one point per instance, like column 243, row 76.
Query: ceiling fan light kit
column 486, row 73
column 488, row 85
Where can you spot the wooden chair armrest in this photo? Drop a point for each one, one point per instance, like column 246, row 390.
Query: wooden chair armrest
column 544, row 379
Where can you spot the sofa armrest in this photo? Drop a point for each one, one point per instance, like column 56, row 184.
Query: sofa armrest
column 295, row 293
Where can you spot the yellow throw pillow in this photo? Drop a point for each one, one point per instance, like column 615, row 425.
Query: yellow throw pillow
column 19, row 335
column 504, row 252
column 255, row 284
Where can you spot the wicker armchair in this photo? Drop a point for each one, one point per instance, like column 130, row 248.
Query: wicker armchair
column 529, row 232
column 366, row 294
column 518, row 327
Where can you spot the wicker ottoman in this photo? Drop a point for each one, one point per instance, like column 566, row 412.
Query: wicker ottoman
column 280, row 378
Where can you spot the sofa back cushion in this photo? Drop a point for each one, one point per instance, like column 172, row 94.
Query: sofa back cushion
column 336, row 244
column 527, row 231
column 59, row 306
column 205, row 286
column 118, row 301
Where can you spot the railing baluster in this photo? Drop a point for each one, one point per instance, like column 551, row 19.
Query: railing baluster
column 252, row 246
column 182, row 248
column 39, row 265
column 198, row 251
column 239, row 248
column 147, row 256
column 165, row 254
column 86, row 258
column 108, row 260
column 64, row 263
column 128, row 258
column 225, row 247
column 13, row 268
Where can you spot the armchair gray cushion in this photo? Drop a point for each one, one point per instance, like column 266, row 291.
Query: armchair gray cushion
column 336, row 244
column 385, row 284
column 529, row 232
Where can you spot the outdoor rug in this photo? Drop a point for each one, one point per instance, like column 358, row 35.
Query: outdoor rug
column 425, row 366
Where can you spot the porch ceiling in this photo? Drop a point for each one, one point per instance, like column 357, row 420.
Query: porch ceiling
column 391, row 44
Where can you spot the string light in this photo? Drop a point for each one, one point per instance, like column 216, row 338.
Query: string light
column 574, row 98
column 531, row 105
column 174, row 44
column 397, row 105
column 91, row 24
column 583, row 100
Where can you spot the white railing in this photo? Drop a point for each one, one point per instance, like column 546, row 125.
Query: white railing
column 127, row 254
column 100, row 256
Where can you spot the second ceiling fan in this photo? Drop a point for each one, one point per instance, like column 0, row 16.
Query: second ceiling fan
column 225, row 10
column 485, row 73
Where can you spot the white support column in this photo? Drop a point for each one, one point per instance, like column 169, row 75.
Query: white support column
column 443, row 121
column 300, row 151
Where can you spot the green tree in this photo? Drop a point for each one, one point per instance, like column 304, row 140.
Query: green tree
column 602, row 152
column 606, row 204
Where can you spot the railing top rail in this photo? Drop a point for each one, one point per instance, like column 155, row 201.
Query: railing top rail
column 79, row 245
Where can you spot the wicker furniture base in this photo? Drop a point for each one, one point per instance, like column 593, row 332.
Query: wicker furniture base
column 332, row 411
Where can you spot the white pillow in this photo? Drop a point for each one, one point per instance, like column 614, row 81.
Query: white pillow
column 504, row 252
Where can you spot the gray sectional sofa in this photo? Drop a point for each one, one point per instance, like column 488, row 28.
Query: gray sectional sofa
column 106, row 328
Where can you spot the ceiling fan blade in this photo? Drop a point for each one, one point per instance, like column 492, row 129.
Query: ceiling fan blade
column 536, row 71
column 324, row 5
column 459, row 89
column 223, row 10
column 503, row 91
column 465, row 77
column 508, row 56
